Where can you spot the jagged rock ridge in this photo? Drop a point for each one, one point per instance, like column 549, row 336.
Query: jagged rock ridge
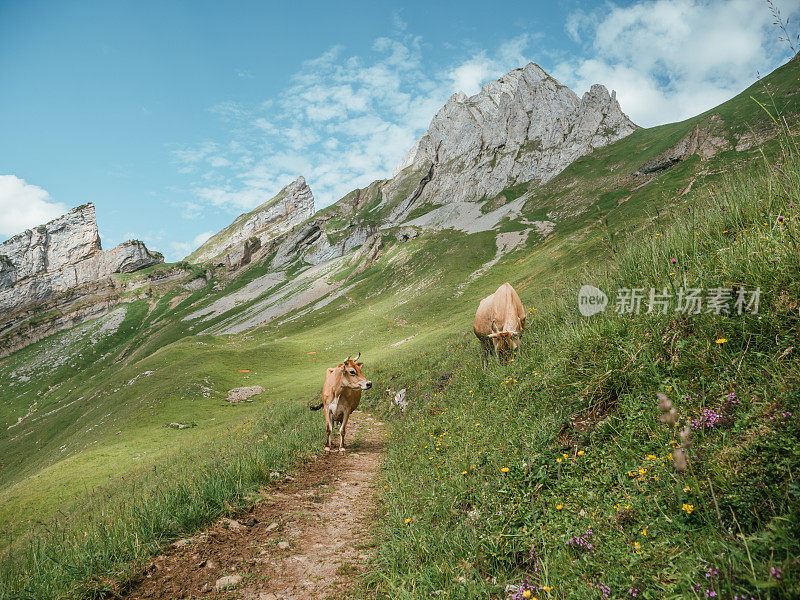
column 234, row 244
column 62, row 255
column 524, row 127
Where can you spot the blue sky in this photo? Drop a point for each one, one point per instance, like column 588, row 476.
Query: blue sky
column 175, row 117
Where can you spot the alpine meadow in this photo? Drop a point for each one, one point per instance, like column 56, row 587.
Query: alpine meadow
column 641, row 441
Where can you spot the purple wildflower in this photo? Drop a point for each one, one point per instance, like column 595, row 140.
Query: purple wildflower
column 605, row 591
column 634, row 591
column 712, row 573
column 709, row 419
column 582, row 542
column 533, row 558
column 525, row 586
column 775, row 573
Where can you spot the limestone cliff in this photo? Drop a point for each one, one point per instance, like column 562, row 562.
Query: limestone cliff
column 524, row 127
column 41, row 265
column 234, row 244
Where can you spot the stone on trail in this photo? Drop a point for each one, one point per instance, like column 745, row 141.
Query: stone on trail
column 283, row 545
column 242, row 394
column 229, row 581
column 271, row 526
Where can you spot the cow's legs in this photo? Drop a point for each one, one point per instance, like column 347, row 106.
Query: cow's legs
column 328, row 429
column 342, row 430
column 484, row 352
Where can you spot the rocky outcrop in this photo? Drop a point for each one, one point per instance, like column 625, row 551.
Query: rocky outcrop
column 62, row 257
column 234, row 245
column 311, row 244
column 64, row 241
column 703, row 141
column 524, row 127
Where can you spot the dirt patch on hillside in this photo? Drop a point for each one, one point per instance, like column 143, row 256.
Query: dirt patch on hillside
column 308, row 538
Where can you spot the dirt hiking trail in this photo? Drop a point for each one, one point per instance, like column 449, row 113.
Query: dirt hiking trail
column 308, row 537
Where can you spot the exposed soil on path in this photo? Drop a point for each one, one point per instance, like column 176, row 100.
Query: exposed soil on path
column 307, row 538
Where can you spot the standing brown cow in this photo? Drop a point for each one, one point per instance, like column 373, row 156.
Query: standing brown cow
column 341, row 394
column 499, row 322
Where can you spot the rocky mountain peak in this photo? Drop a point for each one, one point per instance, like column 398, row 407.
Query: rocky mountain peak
column 63, row 241
column 289, row 207
column 525, row 126
column 41, row 263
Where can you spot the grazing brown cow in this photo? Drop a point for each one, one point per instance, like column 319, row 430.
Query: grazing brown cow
column 499, row 322
column 341, row 394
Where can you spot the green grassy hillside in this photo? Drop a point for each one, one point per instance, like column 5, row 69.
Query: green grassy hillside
column 91, row 475
column 554, row 473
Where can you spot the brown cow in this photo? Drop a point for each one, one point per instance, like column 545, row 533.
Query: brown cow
column 499, row 322
column 341, row 394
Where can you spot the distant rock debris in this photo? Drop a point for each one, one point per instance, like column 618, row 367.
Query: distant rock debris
column 176, row 425
column 195, row 284
column 243, row 394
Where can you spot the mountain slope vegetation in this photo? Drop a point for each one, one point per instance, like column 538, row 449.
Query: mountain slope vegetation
column 94, row 481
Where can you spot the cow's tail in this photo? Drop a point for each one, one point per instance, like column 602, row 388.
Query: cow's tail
column 315, row 406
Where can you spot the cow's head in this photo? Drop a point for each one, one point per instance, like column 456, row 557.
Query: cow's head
column 351, row 375
column 506, row 341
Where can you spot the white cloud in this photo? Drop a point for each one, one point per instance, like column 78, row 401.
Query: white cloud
column 672, row 59
column 23, row 206
column 343, row 121
column 178, row 250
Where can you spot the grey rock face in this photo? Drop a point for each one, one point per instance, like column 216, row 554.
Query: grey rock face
column 291, row 206
column 524, row 127
column 63, row 241
column 63, row 254
column 310, row 243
